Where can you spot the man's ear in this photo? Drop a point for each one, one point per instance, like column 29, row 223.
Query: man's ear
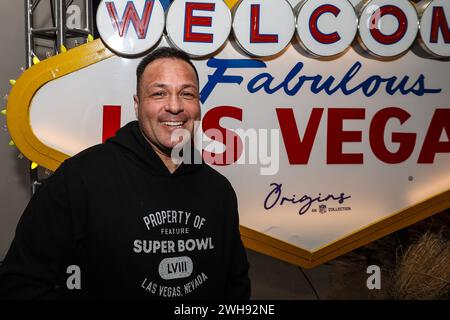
column 136, row 105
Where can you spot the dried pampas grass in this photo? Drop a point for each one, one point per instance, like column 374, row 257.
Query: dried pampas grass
column 423, row 272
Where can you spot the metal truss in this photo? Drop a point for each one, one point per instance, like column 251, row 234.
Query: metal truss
column 58, row 33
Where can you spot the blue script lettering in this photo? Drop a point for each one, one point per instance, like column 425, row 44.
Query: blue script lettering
column 294, row 81
column 219, row 76
column 275, row 197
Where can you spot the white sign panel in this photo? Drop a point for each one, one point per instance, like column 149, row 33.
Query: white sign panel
column 130, row 27
column 326, row 28
column 435, row 31
column 388, row 28
column 205, row 28
column 263, row 27
column 329, row 148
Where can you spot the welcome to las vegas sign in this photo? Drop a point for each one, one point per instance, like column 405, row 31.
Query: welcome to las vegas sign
column 339, row 111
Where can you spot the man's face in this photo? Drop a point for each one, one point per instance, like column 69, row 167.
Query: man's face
column 168, row 99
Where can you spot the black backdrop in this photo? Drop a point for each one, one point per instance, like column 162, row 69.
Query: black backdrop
column 95, row 4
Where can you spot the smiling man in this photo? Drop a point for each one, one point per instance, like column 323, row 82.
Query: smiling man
column 122, row 220
column 167, row 99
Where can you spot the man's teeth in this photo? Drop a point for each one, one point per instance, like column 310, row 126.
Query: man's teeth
column 173, row 123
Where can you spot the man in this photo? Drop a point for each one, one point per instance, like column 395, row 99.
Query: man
column 122, row 220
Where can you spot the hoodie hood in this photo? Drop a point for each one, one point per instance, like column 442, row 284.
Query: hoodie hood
column 131, row 138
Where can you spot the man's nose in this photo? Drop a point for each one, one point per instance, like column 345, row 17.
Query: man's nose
column 175, row 104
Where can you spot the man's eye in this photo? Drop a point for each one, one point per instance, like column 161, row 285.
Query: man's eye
column 158, row 94
column 188, row 94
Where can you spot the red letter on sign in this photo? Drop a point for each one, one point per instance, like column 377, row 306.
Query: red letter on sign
column 111, row 121
column 315, row 32
column 255, row 36
column 407, row 141
column 191, row 20
column 130, row 15
column 402, row 25
column 336, row 136
column 439, row 22
column 432, row 143
column 298, row 151
column 211, row 122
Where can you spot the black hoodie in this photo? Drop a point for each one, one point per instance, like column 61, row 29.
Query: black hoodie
column 134, row 230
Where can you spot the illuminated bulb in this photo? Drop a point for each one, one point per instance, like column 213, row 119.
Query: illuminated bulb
column 36, row 60
column 11, row 143
column 63, row 48
column 3, row 112
column 12, row 82
column 22, row 69
column 34, row 165
column 90, row 38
